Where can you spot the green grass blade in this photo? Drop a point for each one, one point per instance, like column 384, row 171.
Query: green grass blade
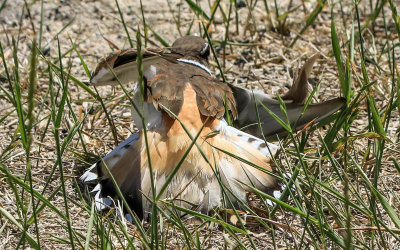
column 310, row 20
column 124, row 24
column 89, row 230
column 35, row 193
column 197, row 9
column 385, row 204
column 29, row 237
column 339, row 63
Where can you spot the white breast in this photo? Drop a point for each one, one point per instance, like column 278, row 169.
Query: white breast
column 153, row 117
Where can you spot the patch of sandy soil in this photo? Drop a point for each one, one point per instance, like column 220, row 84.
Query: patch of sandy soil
column 268, row 65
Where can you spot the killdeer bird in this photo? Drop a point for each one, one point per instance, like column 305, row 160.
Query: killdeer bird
column 181, row 93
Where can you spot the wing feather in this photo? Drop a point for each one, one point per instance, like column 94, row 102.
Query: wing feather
column 247, row 101
column 124, row 164
column 122, row 64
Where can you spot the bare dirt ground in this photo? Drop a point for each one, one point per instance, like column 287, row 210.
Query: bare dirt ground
column 269, row 65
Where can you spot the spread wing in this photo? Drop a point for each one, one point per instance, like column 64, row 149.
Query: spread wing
column 122, row 64
column 247, row 102
column 163, row 91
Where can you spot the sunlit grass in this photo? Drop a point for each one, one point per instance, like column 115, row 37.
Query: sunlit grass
column 339, row 201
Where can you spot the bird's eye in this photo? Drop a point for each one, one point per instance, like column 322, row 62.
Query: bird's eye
column 206, row 50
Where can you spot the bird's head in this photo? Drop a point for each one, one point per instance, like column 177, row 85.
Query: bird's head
column 192, row 48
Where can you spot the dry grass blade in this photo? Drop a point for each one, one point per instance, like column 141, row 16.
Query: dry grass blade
column 52, row 124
